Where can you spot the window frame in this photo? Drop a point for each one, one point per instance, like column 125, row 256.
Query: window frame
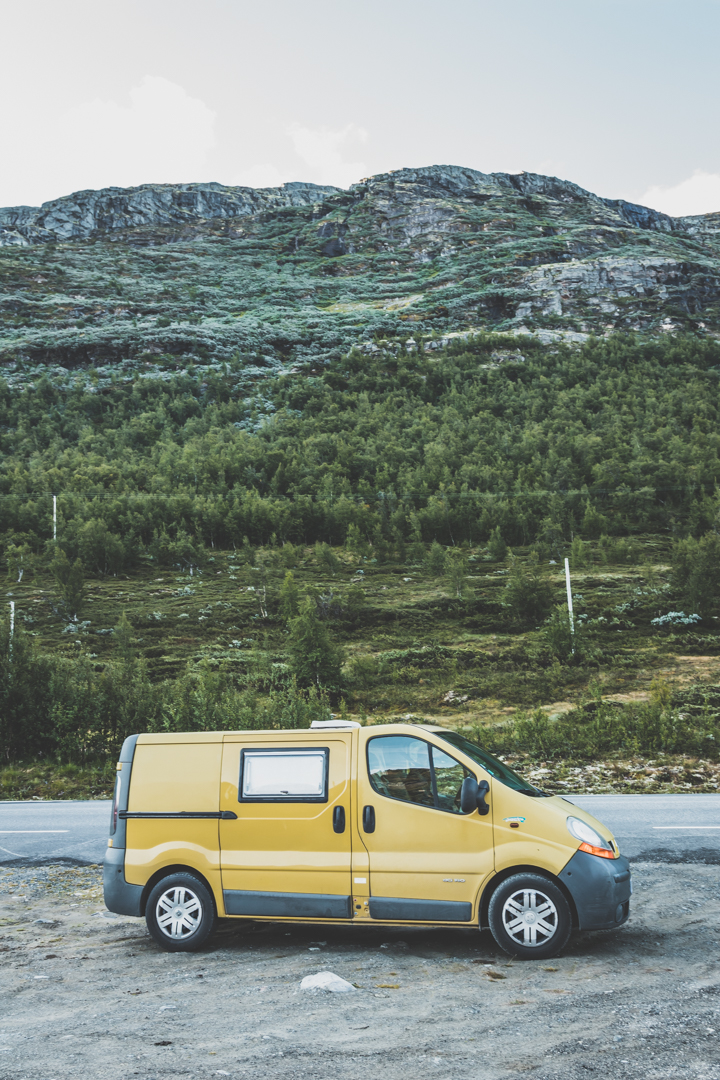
column 433, row 781
column 275, row 798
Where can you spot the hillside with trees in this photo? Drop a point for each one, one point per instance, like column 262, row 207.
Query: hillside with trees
column 263, row 516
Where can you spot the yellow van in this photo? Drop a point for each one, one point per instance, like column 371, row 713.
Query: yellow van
column 400, row 824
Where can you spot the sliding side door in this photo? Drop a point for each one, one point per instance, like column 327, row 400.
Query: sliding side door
column 286, row 853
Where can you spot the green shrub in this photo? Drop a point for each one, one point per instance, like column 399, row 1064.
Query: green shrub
column 579, row 554
column 101, row 550
column 436, row 559
column 456, row 573
column 497, row 547
column 315, row 659
column 528, row 594
column 70, row 580
column 289, row 596
column 696, row 572
column 326, row 558
column 560, row 641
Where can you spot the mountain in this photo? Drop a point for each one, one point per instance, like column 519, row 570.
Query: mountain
column 172, row 274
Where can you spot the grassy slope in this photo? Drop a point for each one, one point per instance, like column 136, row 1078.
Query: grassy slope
column 411, row 646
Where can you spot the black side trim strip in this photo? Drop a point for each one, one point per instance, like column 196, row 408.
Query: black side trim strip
column 287, row 905
column 390, row 907
column 223, row 815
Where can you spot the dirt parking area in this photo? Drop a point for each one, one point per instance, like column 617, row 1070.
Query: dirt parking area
column 87, row 995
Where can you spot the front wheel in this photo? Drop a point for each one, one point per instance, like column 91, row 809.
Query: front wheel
column 180, row 913
column 529, row 917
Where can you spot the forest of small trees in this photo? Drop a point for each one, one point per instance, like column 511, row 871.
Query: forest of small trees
column 400, row 457
column 617, row 437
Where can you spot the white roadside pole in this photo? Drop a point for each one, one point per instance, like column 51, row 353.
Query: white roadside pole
column 570, row 607
column 54, row 518
column 12, row 627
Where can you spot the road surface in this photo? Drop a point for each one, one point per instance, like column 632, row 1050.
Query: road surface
column 62, row 831
column 658, row 828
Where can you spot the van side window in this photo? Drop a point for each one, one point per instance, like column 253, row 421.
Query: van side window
column 401, row 767
column 288, row 775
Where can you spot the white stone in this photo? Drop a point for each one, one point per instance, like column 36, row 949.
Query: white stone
column 326, row 980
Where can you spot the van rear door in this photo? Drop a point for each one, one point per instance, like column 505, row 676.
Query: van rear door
column 288, row 852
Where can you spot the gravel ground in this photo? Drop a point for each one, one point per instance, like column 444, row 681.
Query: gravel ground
column 87, row 995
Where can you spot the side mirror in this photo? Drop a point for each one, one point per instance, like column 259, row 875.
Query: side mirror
column 472, row 796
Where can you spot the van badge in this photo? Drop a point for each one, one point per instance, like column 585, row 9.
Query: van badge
column 518, row 819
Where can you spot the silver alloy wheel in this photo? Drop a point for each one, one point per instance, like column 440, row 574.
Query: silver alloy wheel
column 530, row 918
column 178, row 912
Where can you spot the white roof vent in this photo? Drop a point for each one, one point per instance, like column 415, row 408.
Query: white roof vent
column 338, row 724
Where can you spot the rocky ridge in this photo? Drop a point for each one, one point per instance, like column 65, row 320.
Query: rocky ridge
column 87, row 213
column 291, row 274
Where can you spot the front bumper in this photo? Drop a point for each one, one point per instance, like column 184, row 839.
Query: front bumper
column 601, row 889
column 120, row 896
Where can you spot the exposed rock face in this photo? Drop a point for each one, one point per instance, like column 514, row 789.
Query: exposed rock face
column 87, row 213
column 297, row 272
column 601, row 282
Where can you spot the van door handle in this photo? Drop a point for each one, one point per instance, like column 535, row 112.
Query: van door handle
column 339, row 819
column 369, row 819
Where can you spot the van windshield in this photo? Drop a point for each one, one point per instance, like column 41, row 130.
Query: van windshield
column 496, row 768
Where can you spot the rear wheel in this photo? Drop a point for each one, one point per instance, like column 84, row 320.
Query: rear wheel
column 180, row 913
column 529, row 917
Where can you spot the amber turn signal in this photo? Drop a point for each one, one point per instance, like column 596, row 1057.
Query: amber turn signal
column 604, row 853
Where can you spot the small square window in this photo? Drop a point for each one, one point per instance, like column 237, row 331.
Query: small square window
column 284, row 775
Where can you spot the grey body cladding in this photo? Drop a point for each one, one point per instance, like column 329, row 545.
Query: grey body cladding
column 127, row 755
column 392, row 908
column 601, row 890
column 120, row 895
column 284, row 905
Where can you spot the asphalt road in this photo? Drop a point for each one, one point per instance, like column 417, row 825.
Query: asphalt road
column 658, row 828
column 63, row 831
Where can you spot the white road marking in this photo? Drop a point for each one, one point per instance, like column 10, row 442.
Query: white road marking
column 17, row 832
column 686, row 826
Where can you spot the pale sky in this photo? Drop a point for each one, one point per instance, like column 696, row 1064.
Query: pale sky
column 620, row 96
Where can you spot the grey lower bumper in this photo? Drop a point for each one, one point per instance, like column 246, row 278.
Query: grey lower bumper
column 120, row 897
column 601, row 890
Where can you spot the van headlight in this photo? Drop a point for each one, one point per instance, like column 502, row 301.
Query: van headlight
column 590, row 841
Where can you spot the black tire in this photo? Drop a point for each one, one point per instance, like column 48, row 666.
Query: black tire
column 180, row 913
column 529, row 917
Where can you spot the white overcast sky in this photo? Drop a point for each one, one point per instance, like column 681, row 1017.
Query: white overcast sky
column 620, row 96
